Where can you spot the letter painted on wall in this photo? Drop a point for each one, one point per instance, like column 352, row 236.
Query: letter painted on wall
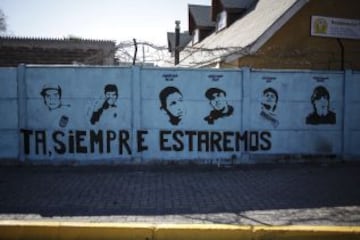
column 320, row 99
column 119, row 142
column 61, row 142
column 214, row 141
column 221, row 108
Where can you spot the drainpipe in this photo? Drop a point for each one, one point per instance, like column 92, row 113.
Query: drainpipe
column 342, row 54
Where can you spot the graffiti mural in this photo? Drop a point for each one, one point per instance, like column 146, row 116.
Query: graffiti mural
column 51, row 94
column 42, row 142
column 106, row 109
column 221, row 108
column 269, row 103
column 171, row 103
column 121, row 114
column 321, row 114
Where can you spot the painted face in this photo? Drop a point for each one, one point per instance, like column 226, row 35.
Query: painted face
column 322, row 106
column 52, row 99
column 175, row 105
column 111, row 97
column 269, row 100
column 219, row 101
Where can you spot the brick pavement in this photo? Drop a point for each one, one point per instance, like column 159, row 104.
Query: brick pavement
column 256, row 195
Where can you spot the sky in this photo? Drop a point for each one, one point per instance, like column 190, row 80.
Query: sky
column 118, row 20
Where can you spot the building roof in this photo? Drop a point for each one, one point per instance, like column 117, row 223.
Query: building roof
column 185, row 38
column 200, row 17
column 230, row 5
column 17, row 50
column 244, row 36
column 58, row 42
column 237, row 3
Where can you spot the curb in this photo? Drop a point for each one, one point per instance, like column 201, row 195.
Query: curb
column 73, row 230
column 134, row 231
column 232, row 232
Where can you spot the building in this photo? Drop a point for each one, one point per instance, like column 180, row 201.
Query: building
column 200, row 23
column 17, row 50
column 184, row 39
column 276, row 34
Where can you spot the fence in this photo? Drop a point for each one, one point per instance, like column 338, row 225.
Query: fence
column 133, row 114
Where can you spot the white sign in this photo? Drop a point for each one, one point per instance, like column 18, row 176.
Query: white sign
column 335, row 27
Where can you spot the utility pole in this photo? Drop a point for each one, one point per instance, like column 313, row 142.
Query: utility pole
column 177, row 41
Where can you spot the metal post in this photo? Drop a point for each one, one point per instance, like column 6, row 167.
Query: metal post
column 22, row 107
column 177, row 41
column 135, row 51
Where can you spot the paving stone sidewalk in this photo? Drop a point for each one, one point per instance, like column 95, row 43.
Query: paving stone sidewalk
column 257, row 195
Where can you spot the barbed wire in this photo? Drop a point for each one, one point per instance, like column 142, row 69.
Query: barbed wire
column 156, row 54
column 191, row 56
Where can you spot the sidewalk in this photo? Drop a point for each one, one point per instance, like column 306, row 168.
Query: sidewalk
column 251, row 195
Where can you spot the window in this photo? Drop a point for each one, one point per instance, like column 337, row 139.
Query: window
column 196, row 37
column 221, row 21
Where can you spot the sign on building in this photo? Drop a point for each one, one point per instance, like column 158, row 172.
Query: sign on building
column 335, row 27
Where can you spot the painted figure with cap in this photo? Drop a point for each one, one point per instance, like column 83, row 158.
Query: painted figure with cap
column 218, row 102
column 51, row 94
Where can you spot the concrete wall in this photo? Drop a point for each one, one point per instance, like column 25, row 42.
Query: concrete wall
column 95, row 114
column 9, row 131
column 63, row 131
column 291, row 133
column 352, row 114
column 195, row 107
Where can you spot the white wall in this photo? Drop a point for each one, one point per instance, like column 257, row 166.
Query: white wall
column 136, row 127
column 193, row 84
column 352, row 110
column 293, row 135
column 9, row 133
column 82, row 93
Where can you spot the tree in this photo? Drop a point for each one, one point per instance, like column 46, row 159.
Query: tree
column 3, row 25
